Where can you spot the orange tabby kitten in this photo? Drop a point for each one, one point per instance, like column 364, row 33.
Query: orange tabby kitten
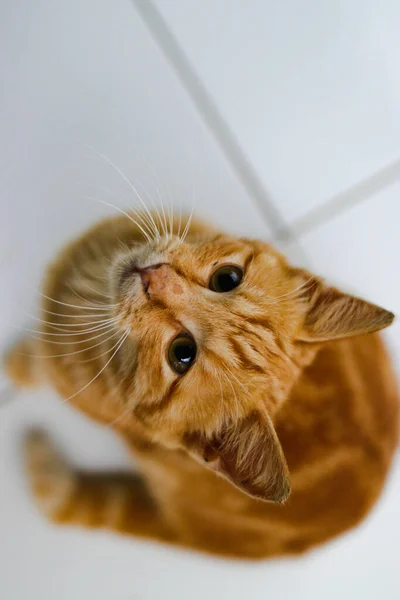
column 262, row 418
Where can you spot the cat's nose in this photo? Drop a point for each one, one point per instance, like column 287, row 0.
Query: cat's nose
column 156, row 279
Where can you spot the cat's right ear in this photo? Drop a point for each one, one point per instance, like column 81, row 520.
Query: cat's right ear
column 248, row 454
column 332, row 314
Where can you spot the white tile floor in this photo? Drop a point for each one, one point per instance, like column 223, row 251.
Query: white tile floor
column 312, row 95
column 310, row 88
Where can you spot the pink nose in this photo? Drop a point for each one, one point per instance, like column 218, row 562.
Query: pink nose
column 155, row 278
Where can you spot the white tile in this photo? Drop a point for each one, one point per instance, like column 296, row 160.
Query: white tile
column 311, row 89
column 88, row 72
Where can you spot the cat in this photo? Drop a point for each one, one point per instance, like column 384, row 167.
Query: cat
column 259, row 403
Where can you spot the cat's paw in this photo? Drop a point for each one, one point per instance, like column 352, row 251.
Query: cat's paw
column 51, row 479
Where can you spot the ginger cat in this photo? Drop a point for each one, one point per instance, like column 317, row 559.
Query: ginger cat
column 262, row 419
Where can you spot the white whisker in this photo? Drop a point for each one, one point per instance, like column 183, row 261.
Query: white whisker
column 97, row 355
column 132, row 187
column 68, row 333
column 55, row 324
column 156, row 182
column 143, row 217
column 74, row 342
column 72, row 305
column 236, row 379
column 180, row 218
column 169, row 210
column 99, row 293
column 122, row 340
column 145, row 234
column 153, row 225
column 76, row 351
column 88, row 302
column 292, row 292
column 187, row 227
column 237, row 405
column 50, row 312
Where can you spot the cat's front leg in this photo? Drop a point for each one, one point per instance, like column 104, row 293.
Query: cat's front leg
column 118, row 501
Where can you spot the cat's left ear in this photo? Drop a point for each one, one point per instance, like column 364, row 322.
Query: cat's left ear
column 248, row 454
column 332, row 314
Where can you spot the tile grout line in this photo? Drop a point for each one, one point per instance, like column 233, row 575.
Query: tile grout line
column 213, row 119
column 282, row 233
column 344, row 201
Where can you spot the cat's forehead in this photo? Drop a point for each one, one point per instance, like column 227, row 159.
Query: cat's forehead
column 216, row 250
column 199, row 259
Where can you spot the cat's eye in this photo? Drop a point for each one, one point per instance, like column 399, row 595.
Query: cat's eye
column 182, row 353
column 225, row 278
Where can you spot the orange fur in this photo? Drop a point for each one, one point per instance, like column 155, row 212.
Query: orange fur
column 280, row 396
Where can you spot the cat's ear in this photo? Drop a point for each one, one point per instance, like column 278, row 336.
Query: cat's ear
column 249, row 455
column 332, row 314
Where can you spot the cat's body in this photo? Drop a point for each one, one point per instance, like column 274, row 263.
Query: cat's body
column 333, row 403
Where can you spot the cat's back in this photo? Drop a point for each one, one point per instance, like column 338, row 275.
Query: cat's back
column 347, row 398
column 339, row 430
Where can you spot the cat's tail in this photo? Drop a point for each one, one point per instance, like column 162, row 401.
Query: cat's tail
column 21, row 364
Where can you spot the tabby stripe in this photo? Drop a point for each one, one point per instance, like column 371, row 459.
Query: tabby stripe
column 143, row 410
column 246, row 362
column 266, row 324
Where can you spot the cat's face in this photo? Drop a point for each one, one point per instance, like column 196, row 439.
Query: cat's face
column 210, row 322
column 212, row 350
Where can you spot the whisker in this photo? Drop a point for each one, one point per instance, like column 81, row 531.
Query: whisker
column 169, row 210
column 145, row 234
column 86, row 301
column 99, row 293
column 171, row 219
column 180, row 218
column 154, row 233
column 153, row 225
column 76, row 351
column 52, row 324
column 143, row 217
column 237, row 405
column 164, row 221
column 50, row 312
column 186, row 230
column 236, row 379
column 98, row 355
column 156, row 182
column 122, row 340
column 165, row 224
column 132, row 187
column 68, row 333
column 75, row 343
column 293, row 293
column 72, row 305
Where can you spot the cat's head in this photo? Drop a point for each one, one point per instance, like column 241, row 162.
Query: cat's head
column 219, row 330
